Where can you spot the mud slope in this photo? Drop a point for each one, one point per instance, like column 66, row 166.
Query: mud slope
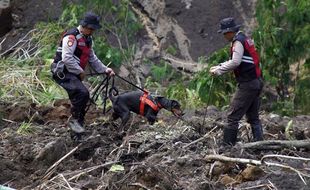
column 146, row 157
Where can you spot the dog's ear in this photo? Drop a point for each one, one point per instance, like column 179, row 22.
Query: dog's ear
column 175, row 104
column 159, row 97
column 161, row 100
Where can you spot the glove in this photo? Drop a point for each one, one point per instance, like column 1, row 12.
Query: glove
column 109, row 72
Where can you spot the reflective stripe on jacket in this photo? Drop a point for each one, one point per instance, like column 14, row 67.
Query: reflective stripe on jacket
column 74, row 42
column 249, row 67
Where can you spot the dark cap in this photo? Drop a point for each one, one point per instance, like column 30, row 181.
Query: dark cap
column 91, row 20
column 228, row 25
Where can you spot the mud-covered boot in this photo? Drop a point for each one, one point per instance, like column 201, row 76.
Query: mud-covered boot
column 76, row 136
column 81, row 117
column 75, row 126
column 257, row 131
column 229, row 140
column 230, row 136
column 75, row 123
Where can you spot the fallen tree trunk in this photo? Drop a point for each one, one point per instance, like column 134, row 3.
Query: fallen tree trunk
column 277, row 144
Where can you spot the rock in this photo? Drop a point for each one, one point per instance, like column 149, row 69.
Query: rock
column 158, row 137
column 227, row 180
column 275, row 123
column 274, row 116
column 251, row 173
column 300, row 127
column 221, row 168
column 52, row 152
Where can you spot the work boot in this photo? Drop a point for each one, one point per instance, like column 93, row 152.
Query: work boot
column 230, row 136
column 229, row 140
column 75, row 126
column 77, row 137
column 257, row 131
column 76, row 121
column 81, row 117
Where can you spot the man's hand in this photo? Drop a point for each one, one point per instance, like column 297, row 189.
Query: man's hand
column 109, row 72
column 214, row 70
column 82, row 76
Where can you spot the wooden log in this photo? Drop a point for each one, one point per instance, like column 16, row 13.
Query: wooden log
column 277, row 144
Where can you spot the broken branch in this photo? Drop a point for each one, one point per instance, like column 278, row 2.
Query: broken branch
column 277, row 144
column 201, row 138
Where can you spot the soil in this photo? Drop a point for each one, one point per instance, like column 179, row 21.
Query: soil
column 153, row 157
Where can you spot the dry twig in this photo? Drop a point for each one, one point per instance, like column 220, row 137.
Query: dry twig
column 87, row 170
column 201, row 138
column 52, row 169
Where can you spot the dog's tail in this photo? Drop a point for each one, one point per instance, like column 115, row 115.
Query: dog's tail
column 113, row 92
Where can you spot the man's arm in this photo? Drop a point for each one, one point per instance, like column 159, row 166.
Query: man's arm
column 231, row 64
column 96, row 64
column 71, row 62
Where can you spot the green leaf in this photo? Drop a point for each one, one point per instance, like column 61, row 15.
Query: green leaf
column 288, row 130
column 116, row 168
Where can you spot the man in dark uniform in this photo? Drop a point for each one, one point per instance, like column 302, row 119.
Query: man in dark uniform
column 244, row 61
column 74, row 53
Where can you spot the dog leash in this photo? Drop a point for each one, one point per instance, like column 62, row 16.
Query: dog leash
column 104, row 85
column 145, row 91
column 208, row 101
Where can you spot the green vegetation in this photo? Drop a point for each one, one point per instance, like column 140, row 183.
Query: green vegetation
column 283, row 40
column 25, row 128
column 28, row 80
column 26, row 75
column 283, row 37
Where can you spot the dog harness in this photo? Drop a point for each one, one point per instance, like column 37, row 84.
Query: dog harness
column 144, row 100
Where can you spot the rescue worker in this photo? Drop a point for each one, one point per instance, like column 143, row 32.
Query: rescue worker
column 244, row 62
column 75, row 51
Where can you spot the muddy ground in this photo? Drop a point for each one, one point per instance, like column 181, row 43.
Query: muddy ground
column 146, row 157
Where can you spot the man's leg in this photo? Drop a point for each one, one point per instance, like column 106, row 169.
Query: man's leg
column 79, row 97
column 241, row 102
column 253, row 118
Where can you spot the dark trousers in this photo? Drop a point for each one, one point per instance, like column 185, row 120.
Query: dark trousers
column 246, row 101
column 78, row 94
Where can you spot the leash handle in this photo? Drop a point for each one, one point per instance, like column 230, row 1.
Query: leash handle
column 95, row 95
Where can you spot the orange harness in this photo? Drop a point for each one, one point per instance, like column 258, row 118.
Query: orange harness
column 145, row 100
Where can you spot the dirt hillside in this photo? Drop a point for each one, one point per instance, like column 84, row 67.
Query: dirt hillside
column 167, row 155
column 188, row 25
